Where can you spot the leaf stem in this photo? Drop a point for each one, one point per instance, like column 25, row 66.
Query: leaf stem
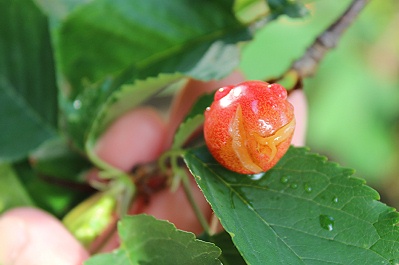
column 168, row 154
column 214, row 224
column 194, row 205
column 181, row 174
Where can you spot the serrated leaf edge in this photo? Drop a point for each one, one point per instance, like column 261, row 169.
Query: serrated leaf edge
column 393, row 215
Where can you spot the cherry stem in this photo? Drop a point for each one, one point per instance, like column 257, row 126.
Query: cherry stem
column 194, row 205
column 214, row 224
column 181, row 174
column 170, row 154
column 306, row 66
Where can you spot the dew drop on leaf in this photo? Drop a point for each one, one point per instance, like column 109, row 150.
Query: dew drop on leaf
column 335, row 199
column 294, row 186
column 307, row 188
column 284, row 179
column 326, row 222
column 256, row 176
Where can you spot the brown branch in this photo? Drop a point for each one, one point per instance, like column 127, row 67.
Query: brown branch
column 306, row 66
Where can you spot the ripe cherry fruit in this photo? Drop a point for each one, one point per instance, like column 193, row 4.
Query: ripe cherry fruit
column 249, row 127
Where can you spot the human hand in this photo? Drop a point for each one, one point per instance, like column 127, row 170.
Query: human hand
column 125, row 145
column 30, row 236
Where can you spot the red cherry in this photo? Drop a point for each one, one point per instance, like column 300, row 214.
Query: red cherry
column 249, row 127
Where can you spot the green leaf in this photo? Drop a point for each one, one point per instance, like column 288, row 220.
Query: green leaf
column 186, row 129
column 200, row 105
column 103, row 110
column 12, row 193
column 53, row 195
column 291, row 8
column 192, row 121
column 22, row 130
column 55, row 158
column 80, row 113
column 250, row 10
column 305, row 210
column 147, row 37
column 28, row 95
column 127, row 97
column 230, row 254
column 146, row 240
column 152, row 37
column 59, row 9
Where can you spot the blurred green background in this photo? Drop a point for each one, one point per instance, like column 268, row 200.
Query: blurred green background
column 354, row 96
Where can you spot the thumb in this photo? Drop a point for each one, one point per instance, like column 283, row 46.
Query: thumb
column 33, row 237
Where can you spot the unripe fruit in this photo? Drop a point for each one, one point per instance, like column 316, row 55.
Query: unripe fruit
column 91, row 218
column 249, row 127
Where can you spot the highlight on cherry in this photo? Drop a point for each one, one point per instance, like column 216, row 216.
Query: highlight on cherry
column 249, row 126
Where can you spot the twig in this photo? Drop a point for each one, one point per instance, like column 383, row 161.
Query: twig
column 307, row 64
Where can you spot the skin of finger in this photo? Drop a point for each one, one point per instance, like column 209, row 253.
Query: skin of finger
column 136, row 137
column 33, row 237
column 298, row 99
column 127, row 140
column 171, row 206
column 175, row 207
column 186, row 98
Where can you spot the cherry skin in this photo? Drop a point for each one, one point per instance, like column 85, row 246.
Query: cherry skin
column 249, row 126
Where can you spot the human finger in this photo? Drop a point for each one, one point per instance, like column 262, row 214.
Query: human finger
column 31, row 236
column 136, row 137
column 175, row 207
column 298, row 100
